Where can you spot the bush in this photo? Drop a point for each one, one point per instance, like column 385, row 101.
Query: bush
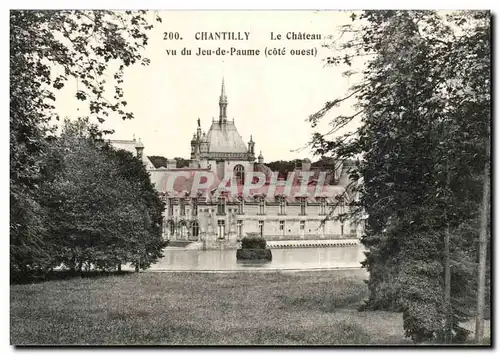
column 253, row 243
column 254, row 254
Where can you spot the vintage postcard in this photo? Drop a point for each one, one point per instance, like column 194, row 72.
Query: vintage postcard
column 250, row 178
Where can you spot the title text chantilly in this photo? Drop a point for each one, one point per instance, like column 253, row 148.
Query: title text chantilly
column 224, row 36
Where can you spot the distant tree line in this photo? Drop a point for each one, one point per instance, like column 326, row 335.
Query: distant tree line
column 281, row 166
column 161, row 162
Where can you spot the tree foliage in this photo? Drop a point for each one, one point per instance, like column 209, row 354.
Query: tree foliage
column 48, row 49
column 103, row 208
column 424, row 103
column 160, row 161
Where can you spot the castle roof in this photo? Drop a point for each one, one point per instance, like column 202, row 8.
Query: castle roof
column 223, row 137
column 130, row 146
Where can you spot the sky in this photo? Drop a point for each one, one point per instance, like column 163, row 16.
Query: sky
column 269, row 98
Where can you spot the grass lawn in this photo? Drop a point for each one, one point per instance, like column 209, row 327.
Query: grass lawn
column 201, row 309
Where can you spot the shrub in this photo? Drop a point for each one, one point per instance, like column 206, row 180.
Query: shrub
column 254, row 254
column 253, row 243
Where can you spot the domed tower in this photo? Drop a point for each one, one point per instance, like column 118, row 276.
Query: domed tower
column 225, row 144
column 261, row 158
column 251, row 147
column 204, row 143
column 194, row 144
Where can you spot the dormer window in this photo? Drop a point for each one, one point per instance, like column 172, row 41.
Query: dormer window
column 282, row 205
column 221, row 206
column 239, row 173
column 195, row 207
column 240, row 206
column 303, row 205
column 182, row 207
column 322, row 206
column 262, row 204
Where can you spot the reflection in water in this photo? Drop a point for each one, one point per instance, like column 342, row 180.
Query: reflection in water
column 297, row 258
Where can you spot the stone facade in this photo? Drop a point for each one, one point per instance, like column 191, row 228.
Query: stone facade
column 219, row 220
column 212, row 223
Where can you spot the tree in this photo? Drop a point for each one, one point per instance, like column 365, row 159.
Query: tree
column 104, row 211
column 283, row 166
column 158, row 161
column 423, row 123
column 131, row 169
column 47, row 49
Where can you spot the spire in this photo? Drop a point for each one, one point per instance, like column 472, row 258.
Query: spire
column 198, row 129
column 223, row 91
column 223, row 104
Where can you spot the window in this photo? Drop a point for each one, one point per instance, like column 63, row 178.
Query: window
column 262, row 203
column 282, row 205
column 182, row 206
column 221, row 206
column 282, row 227
column 302, row 225
column 261, row 228
column 303, row 204
column 221, row 229
column 195, row 207
column 239, row 172
column 182, row 230
column 239, row 227
column 171, row 225
column 195, row 229
column 322, row 206
column 170, row 207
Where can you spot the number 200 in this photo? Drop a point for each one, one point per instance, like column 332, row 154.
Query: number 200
column 171, row 35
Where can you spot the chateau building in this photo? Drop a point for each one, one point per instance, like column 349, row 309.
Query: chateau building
column 277, row 210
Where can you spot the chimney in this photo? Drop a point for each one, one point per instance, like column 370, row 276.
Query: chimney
column 306, row 164
column 139, row 147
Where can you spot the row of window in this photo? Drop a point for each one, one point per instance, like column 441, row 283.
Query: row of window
column 302, row 227
column 221, row 207
column 182, row 207
column 194, row 228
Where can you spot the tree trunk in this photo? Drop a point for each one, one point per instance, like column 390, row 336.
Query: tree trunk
column 73, row 265
column 483, row 240
column 447, row 271
column 119, row 267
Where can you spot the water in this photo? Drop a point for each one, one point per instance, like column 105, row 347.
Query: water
column 283, row 259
